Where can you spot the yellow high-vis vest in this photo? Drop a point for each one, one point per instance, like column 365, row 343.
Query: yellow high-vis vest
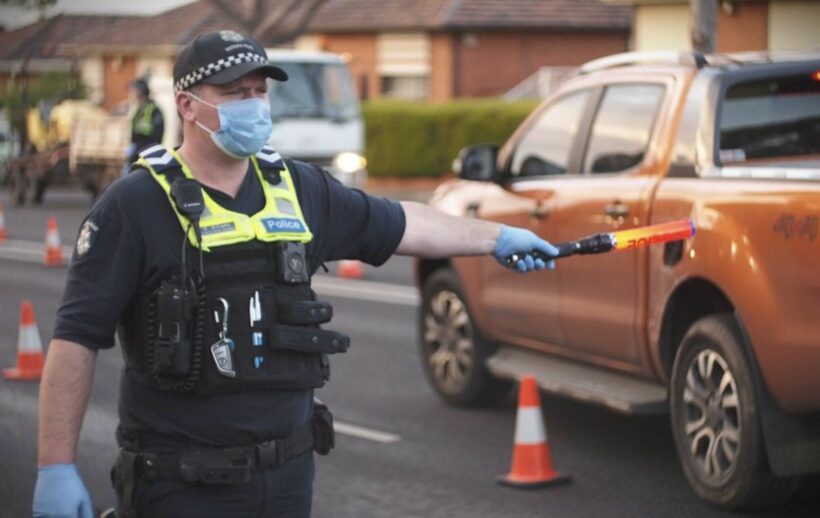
column 281, row 218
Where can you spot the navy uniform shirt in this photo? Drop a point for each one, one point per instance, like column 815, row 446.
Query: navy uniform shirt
column 132, row 238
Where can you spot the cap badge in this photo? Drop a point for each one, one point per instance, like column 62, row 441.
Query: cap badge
column 231, row 36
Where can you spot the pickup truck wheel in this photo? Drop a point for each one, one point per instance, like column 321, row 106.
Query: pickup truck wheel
column 453, row 352
column 715, row 420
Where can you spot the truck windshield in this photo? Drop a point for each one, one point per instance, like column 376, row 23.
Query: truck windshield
column 314, row 91
column 773, row 122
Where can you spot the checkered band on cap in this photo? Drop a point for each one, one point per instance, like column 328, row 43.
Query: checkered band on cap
column 201, row 73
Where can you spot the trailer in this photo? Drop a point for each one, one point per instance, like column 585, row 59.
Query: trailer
column 72, row 143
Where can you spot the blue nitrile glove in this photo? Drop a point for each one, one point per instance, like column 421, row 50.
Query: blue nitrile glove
column 59, row 492
column 512, row 240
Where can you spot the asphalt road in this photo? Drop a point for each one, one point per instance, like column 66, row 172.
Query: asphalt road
column 400, row 451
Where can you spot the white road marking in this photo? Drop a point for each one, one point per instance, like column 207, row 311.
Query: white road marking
column 32, row 252
column 101, row 421
column 366, row 290
column 28, row 251
column 361, row 432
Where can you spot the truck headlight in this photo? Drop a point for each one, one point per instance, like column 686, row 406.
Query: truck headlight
column 349, row 162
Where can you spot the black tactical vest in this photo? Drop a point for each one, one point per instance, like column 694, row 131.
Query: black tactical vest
column 177, row 340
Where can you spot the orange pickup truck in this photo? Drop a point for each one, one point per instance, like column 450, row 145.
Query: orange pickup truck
column 723, row 330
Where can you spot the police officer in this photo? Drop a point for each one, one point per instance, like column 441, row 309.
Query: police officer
column 147, row 125
column 201, row 259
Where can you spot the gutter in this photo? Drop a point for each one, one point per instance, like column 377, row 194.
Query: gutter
column 100, row 49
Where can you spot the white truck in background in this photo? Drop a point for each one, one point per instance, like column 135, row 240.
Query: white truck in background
column 316, row 114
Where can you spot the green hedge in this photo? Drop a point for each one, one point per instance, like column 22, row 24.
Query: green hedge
column 422, row 139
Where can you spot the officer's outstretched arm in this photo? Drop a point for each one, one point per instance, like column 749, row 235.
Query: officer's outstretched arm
column 64, row 392
column 431, row 233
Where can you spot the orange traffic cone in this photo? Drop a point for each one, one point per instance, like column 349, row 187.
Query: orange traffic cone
column 532, row 461
column 54, row 252
column 3, row 234
column 29, row 348
column 350, row 269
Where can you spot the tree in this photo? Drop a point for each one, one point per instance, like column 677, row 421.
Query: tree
column 270, row 21
column 40, row 5
column 50, row 86
column 704, row 25
column 29, row 4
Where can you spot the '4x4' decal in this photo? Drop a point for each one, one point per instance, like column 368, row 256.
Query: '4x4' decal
column 790, row 226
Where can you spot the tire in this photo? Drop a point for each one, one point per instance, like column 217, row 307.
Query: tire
column 716, row 421
column 453, row 353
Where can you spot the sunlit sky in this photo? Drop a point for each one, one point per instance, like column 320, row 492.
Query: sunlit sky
column 12, row 18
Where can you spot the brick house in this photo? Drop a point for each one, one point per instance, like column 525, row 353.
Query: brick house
column 426, row 49
column 37, row 48
column 742, row 25
column 441, row 49
column 108, row 52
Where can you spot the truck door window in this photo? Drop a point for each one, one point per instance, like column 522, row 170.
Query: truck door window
column 545, row 149
column 776, row 121
column 622, row 127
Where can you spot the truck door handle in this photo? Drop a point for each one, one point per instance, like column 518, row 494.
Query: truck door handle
column 616, row 210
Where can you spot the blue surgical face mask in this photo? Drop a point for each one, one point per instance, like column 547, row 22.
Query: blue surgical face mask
column 244, row 126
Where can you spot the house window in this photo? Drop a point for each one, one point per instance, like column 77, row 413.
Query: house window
column 470, row 40
column 405, row 87
column 403, row 64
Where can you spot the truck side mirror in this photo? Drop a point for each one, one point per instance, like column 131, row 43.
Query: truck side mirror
column 477, row 163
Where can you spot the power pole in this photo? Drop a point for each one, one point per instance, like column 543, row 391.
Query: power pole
column 704, row 25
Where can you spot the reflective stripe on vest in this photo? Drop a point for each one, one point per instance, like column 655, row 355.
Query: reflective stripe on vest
column 280, row 219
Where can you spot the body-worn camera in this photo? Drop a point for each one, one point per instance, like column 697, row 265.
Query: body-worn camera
column 174, row 341
column 291, row 263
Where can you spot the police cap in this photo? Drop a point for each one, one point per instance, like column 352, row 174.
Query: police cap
column 220, row 57
column 141, row 85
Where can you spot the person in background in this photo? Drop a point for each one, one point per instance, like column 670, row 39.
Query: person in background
column 147, row 125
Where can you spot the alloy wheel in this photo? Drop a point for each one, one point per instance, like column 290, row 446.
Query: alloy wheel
column 712, row 416
column 448, row 338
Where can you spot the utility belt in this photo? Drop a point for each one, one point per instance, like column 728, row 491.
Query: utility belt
column 216, row 466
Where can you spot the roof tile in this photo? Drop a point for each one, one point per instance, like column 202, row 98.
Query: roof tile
column 539, row 13
column 374, row 15
column 178, row 26
column 41, row 40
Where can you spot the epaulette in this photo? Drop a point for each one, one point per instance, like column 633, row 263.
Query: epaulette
column 271, row 163
column 269, row 156
column 163, row 162
column 159, row 158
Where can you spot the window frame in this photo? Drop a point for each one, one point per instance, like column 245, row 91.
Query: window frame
column 578, row 151
column 729, row 80
column 665, row 91
column 572, row 159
